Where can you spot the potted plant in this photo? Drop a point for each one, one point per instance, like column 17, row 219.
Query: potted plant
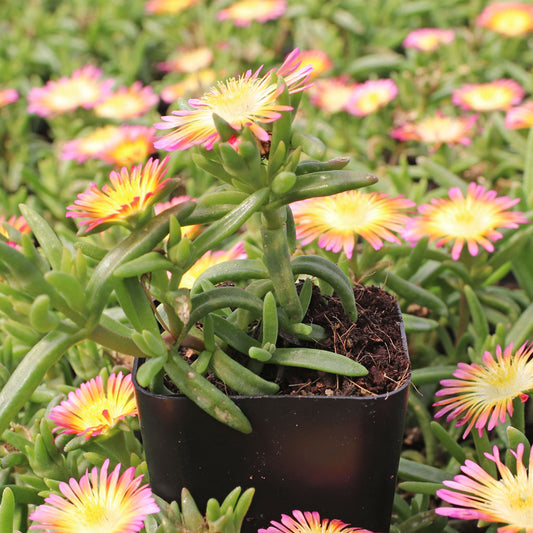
column 240, row 327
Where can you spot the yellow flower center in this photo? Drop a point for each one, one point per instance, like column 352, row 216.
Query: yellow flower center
column 489, row 97
column 512, row 22
column 371, row 102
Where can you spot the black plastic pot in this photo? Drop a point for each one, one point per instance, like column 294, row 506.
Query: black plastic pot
column 335, row 455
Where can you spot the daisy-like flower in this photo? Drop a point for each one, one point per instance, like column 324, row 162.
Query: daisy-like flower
column 99, row 502
column 335, row 220
column 510, row 19
column 318, row 60
column 309, row 522
column 128, row 102
column 92, row 145
column 482, row 394
column 8, row 96
column 244, row 12
column 244, row 101
column 17, row 222
column 168, row 7
column 186, row 231
column 370, row 96
column 84, row 88
column 491, row 96
column 211, row 258
column 189, row 61
column 520, row 116
column 193, row 83
column 133, row 146
column 437, row 130
column 479, row 496
column 93, row 408
column 428, row 39
column 470, row 220
column 129, row 195
column 331, row 94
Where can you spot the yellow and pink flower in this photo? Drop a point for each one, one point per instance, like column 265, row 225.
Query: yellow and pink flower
column 17, row 222
column 91, row 145
column 93, row 409
column 370, row 96
column 476, row 495
column 520, row 116
column 510, row 19
column 84, row 88
column 318, row 60
column 428, row 39
column 248, row 100
column 168, row 7
column 8, row 96
column 133, row 146
column 128, row 196
column 470, row 220
column 209, row 259
column 99, row 502
column 331, row 94
column 188, row 61
column 309, row 522
column 437, row 130
column 127, row 102
column 497, row 95
column 481, row 395
column 244, row 12
column 336, row 220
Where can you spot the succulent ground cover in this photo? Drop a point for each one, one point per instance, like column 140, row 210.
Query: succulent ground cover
column 435, row 101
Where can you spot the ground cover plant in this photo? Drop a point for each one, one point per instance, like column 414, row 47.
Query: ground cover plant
column 434, row 102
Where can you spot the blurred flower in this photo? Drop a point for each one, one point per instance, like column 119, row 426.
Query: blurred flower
column 244, row 12
column 186, row 231
column 520, row 116
column 491, row 96
column 189, row 60
column 19, row 223
column 483, row 394
column 84, row 88
column 133, row 146
column 335, row 220
column 370, row 96
column 99, row 502
column 479, row 496
column 8, row 96
column 127, row 102
column 128, row 195
column 211, row 258
column 245, row 101
column 511, row 19
column 437, row 129
column 472, row 220
column 428, row 39
column 195, row 82
column 309, row 522
column 331, row 94
column 91, row 145
column 93, row 409
column 168, row 7
column 317, row 60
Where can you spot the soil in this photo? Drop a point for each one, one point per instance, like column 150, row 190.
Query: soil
column 375, row 341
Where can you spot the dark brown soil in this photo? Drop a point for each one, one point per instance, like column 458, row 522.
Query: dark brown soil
column 375, row 341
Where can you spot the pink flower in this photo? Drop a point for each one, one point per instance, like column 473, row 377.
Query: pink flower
column 491, row 96
column 370, row 96
column 428, row 39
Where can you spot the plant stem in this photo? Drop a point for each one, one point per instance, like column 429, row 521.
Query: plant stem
column 277, row 261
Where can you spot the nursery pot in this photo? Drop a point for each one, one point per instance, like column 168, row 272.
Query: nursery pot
column 335, row 455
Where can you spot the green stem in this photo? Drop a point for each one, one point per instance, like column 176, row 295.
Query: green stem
column 518, row 420
column 483, row 445
column 277, row 261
